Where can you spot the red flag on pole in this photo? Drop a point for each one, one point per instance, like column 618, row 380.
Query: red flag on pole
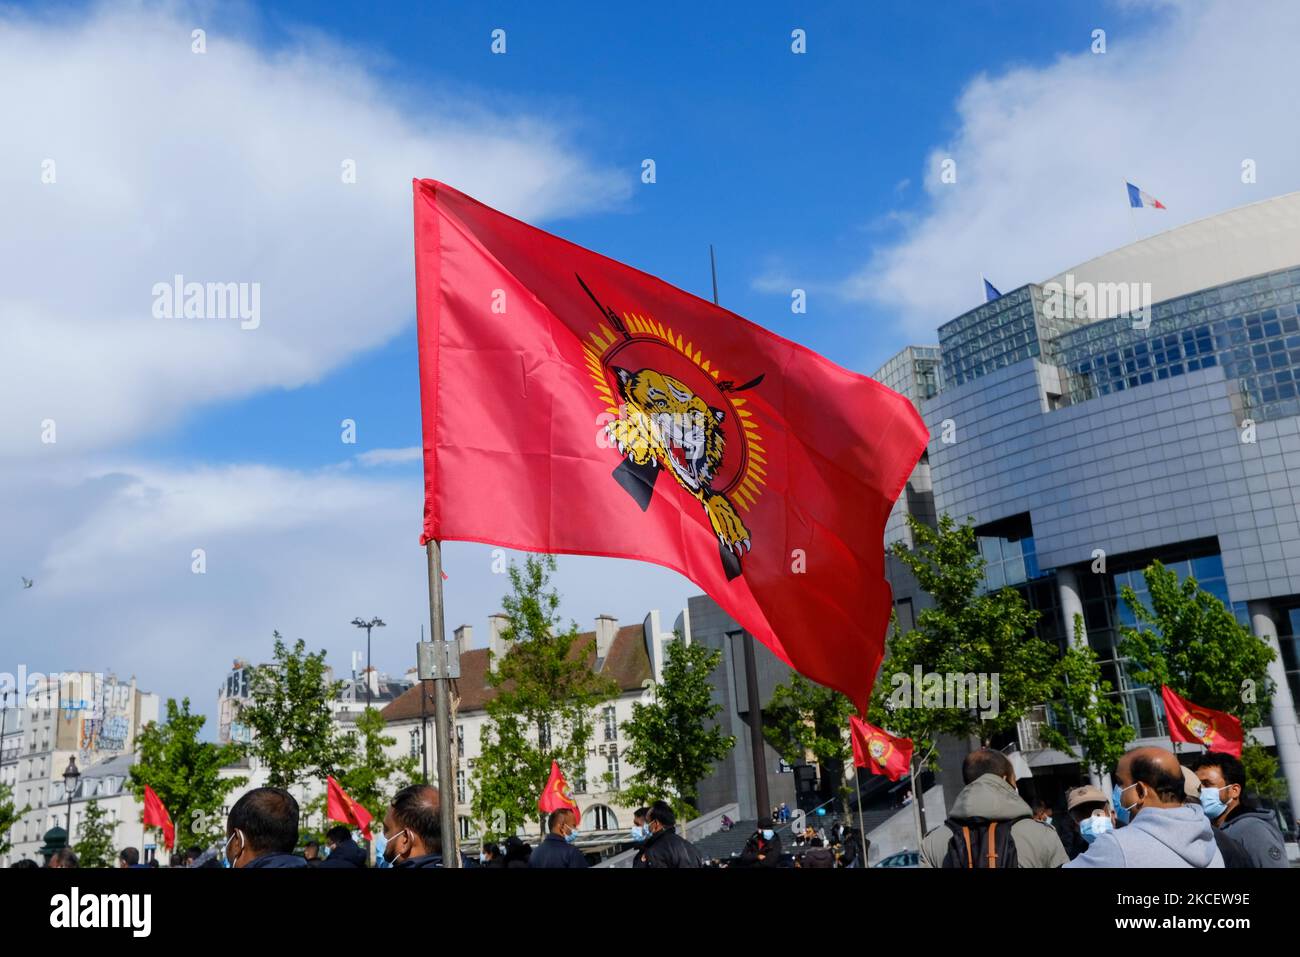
column 572, row 404
column 155, row 815
column 339, row 807
column 1192, row 724
column 879, row 750
column 556, row 795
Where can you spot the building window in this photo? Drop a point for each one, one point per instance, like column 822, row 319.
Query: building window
column 460, row 740
column 415, row 743
column 460, row 785
column 580, row 779
column 466, row 828
column 611, row 724
column 544, row 735
column 611, row 767
column 602, row 818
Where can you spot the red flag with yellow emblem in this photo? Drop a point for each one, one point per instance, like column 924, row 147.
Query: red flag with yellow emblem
column 572, row 404
column 555, row 796
column 1192, row 724
column 880, row 751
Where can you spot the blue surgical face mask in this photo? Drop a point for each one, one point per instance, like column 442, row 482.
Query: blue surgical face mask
column 1122, row 813
column 1048, row 820
column 571, row 836
column 1093, row 827
column 638, row 832
column 767, row 835
column 1212, row 801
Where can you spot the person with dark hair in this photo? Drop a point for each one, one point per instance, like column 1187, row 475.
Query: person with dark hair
column 557, row 848
column 128, row 857
column 25, row 864
column 262, row 830
column 665, row 848
column 763, row 849
column 1234, row 855
column 640, row 830
column 311, row 854
column 518, row 852
column 192, row 855
column 344, row 851
column 491, row 855
column 990, row 825
column 817, row 856
column 413, row 828
column 1161, row 830
column 1223, row 796
column 63, row 859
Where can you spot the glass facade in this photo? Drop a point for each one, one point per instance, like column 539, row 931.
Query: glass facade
column 914, row 372
column 1250, row 328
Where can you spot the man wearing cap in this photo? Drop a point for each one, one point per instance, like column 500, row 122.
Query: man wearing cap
column 763, row 849
column 1091, row 816
column 1160, row 831
column 1234, row 855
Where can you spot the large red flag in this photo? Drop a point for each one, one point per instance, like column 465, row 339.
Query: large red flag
column 573, row 404
column 339, row 807
column 155, row 815
column 556, row 796
column 879, row 750
column 1192, row 724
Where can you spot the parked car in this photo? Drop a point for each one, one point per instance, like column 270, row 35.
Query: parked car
column 901, row 859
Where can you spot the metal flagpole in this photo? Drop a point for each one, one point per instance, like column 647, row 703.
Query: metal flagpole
column 442, row 709
column 862, row 831
column 759, row 758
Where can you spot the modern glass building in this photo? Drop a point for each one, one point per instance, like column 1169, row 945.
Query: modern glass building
column 1143, row 405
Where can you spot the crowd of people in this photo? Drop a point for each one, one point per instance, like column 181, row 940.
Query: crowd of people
column 1158, row 814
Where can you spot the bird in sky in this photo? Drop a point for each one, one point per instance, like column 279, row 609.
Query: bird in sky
column 27, row 582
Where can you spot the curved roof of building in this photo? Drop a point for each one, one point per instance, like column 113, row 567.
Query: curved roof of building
column 1236, row 244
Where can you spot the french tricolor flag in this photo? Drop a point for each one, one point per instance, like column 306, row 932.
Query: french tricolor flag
column 1138, row 198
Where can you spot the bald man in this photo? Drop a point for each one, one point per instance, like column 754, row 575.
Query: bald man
column 1160, row 829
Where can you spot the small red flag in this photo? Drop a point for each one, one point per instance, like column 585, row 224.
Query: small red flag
column 339, row 807
column 555, row 796
column 155, row 815
column 879, row 750
column 574, row 405
column 1192, row 724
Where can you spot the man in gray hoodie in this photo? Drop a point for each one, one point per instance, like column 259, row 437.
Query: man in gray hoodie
column 1223, row 795
column 990, row 796
column 1161, row 831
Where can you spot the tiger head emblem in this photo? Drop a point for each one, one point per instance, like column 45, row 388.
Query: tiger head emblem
column 667, row 426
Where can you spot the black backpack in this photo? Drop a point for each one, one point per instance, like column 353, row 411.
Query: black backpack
column 977, row 842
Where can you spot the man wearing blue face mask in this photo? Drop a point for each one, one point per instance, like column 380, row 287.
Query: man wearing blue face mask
column 1161, row 830
column 763, row 849
column 1223, row 796
column 557, row 848
column 1092, row 817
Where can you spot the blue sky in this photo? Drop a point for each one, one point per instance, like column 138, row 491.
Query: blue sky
column 815, row 171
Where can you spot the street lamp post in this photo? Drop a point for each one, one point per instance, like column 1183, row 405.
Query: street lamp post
column 70, row 777
column 367, row 625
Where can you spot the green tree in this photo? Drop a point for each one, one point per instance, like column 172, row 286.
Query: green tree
column 805, row 717
column 291, row 719
column 968, row 631
column 541, row 711
column 368, row 775
column 10, row 814
column 185, row 773
column 674, row 740
column 1188, row 639
column 94, row 847
column 1091, row 715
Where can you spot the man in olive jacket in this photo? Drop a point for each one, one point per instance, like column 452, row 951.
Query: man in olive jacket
column 665, row 848
column 990, row 795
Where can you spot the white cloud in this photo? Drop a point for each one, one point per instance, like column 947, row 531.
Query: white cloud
column 302, row 552
column 1042, row 155
column 224, row 166
column 377, row 457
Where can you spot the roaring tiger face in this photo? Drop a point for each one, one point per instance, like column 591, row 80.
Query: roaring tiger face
column 666, row 425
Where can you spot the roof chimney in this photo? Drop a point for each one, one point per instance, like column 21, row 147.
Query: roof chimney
column 496, row 643
column 606, row 629
column 462, row 637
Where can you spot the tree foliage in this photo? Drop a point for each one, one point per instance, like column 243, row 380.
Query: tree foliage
column 541, row 710
column 1093, row 718
column 185, row 773
column 674, row 739
column 804, row 717
column 94, row 847
column 291, row 717
column 10, row 814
